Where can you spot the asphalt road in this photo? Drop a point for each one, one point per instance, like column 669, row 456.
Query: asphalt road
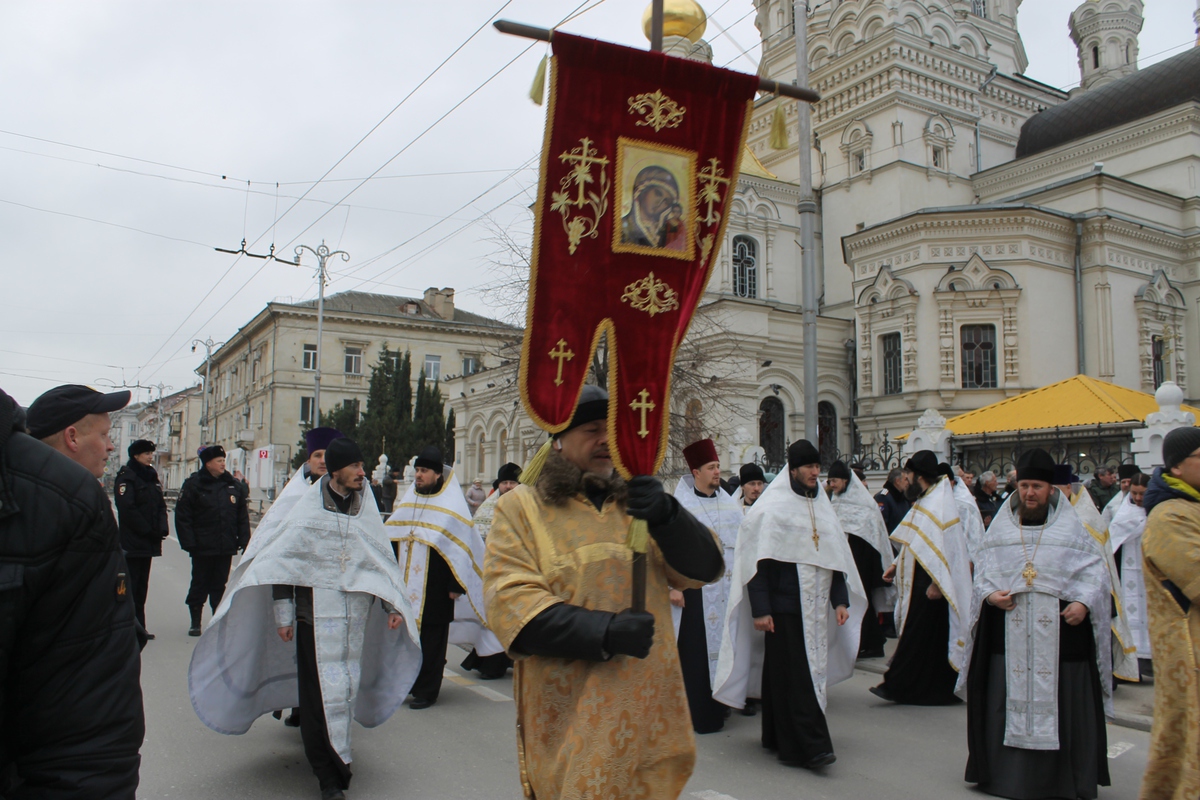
column 464, row 746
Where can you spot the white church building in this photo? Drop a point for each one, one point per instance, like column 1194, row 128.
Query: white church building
column 980, row 234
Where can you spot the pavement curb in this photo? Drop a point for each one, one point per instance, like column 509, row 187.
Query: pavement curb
column 1139, row 722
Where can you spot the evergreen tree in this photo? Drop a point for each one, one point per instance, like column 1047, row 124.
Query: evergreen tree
column 449, row 439
column 343, row 417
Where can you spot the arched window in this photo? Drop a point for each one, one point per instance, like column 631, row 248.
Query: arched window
column 745, row 266
column 480, row 465
column 1095, row 58
column 503, row 447
column 827, row 439
column 771, row 433
column 978, row 356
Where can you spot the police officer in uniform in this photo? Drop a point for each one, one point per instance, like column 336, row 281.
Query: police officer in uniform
column 142, row 514
column 212, row 523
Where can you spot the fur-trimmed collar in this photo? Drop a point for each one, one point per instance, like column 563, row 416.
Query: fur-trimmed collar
column 561, row 480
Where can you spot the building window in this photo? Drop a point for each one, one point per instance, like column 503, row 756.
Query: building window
column 433, row 368
column 745, row 266
column 481, row 459
column 1095, row 58
column 858, row 161
column 893, row 364
column 979, row 8
column 979, row 356
column 938, row 157
column 1156, row 352
column 827, row 440
column 470, row 365
column 306, row 410
column 354, row 361
column 310, row 357
column 133, row 428
column 771, row 433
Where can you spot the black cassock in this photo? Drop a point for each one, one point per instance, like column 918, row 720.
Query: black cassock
column 920, row 673
column 1080, row 763
column 793, row 724
column 870, row 572
column 437, row 613
column 708, row 716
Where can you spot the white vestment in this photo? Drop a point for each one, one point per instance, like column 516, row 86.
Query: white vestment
column 1124, row 651
column 241, row 669
column 722, row 515
column 442, row 521
column 295, row 488
column 859, row 515
column 1069, row 566
column 484, row 515
column 781, row 526
column 1125, row 533
column 1110, row 508
column 968, row 516
column 931, row 534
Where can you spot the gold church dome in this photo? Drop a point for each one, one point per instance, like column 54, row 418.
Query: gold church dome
column 680, row 18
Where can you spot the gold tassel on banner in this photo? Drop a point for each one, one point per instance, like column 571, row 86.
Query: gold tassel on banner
column 533, row 469
column 779, row 138
column 538, row 90
column 639, row 536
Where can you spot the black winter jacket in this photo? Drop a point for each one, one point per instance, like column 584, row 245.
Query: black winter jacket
column 211, row 518
column 141, row 510
column 893, row 505
column 71, row 720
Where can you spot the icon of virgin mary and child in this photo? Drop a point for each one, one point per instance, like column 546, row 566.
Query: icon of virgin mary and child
column 656, row 216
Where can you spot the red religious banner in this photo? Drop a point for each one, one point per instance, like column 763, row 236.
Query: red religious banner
column 640, row 160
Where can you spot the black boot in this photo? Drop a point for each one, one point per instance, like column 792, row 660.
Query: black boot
column 197, row 611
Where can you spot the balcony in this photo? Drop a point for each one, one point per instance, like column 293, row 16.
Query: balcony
column 244, row 439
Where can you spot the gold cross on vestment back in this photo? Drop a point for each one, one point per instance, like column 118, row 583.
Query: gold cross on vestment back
column 643, row 405
column 561, row 354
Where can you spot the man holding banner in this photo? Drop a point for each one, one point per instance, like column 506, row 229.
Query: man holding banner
column 601, row 705
column 639, row 162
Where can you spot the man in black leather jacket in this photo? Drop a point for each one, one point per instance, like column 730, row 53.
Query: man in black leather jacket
column 71, row 720
column 213, row 524
column 142, row 515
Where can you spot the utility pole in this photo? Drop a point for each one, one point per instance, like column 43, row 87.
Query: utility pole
column 323, row 254
column 808, row 221
column 209, row 345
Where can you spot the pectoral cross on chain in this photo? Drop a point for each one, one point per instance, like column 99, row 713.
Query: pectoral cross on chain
column 561, row 354
column 816, row 540
column 643, row 405
column 1029, row 573
column 344, row 559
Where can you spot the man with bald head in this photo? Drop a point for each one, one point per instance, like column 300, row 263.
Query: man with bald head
column 74, row 421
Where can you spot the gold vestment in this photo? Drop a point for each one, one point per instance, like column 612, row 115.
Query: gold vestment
column 1171, row 551
column 586, row 729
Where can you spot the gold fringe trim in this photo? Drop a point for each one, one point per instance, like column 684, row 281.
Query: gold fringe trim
column 529, row 475
column 779, row 137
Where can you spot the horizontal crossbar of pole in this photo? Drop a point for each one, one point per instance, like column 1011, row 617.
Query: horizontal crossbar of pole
column 764, row 85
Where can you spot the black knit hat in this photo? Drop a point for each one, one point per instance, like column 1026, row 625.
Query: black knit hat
column 593, row 405
column 801, row 453
column 429, row 458
column 838, row 469
column 1127, row 471
column 923, row 463
column 141, row 446
column 509, row 472
column 1035, row 465
column 750, row 472
column 342, row 453
column 1178, row 445
column 209, row 453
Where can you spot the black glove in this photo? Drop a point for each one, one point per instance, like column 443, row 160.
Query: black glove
column 648, row 501
column 630, row 633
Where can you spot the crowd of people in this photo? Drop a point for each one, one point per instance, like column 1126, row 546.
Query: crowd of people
column 1029, row 603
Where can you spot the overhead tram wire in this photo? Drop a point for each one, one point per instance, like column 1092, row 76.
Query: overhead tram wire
column 305, row 194
column 105, row 222
column 430, row 127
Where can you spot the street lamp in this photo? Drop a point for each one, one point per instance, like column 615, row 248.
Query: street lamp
column 323, row 254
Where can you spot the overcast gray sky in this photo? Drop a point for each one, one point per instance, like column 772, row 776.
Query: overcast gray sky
column 130, row 130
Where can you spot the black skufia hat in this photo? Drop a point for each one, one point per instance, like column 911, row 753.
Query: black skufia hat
column 429, row 458
column 801, row 453
column 1036, row 465
column 925, row 464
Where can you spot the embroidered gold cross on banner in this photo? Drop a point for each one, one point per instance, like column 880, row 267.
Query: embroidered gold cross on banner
column 561, row 354
column 643, row 405
column 712, row 178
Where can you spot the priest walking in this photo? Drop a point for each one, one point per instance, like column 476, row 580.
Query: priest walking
column 860, row 518
column 1037, row 674
column 933, row 582
column 795, row 580
column 702, row 611
column 300, row 625
column 598, row 689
